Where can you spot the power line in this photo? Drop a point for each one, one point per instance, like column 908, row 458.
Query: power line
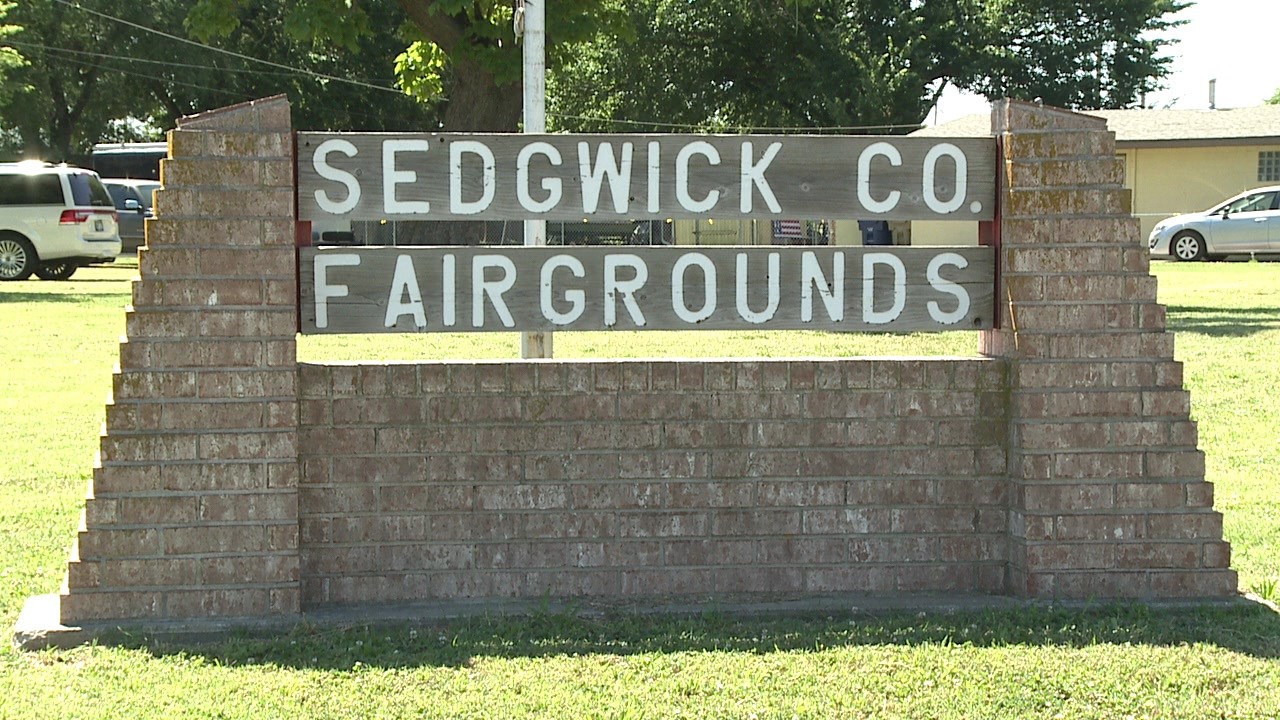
column 738, row 128
column 112, row 18
column 126, row 58
column 238, row 95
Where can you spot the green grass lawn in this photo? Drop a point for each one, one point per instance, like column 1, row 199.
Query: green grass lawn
column 61, row 344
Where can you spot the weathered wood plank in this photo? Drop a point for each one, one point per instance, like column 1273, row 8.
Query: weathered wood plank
column 360, row 176
column 533, row 289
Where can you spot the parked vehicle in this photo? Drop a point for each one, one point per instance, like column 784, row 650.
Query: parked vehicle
column 132, row 199
column 1247, row 223
column 53, row 219
column 140, row 161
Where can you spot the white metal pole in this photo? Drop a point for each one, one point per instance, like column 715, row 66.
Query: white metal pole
column 535, row 344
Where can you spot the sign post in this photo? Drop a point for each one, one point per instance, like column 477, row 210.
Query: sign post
column 535, row 344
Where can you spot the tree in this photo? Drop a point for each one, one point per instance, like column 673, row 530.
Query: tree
column 330, row 88
column 62, row 92
column 1088, row 54
column 878, row 64
column 98, row 76
column 728, row 64
column 10, row 59
column 463, row 55
column 1275, row 99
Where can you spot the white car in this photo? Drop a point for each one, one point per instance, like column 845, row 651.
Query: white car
column 1247, row 223
column 53, row 219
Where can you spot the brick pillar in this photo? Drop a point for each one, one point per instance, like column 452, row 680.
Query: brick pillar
column 1107, row 490
column 192, row 512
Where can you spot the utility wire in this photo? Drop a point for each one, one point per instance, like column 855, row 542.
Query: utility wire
column 126, row 58
column 372, row 86
column 358, row 83
column 237, row 95
column 687, row 126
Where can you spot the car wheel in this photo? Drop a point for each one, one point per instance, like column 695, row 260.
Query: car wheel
column 17, row 257
column 56, row 270
column 1188, row 246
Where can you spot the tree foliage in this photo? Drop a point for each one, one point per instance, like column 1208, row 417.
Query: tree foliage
column 1087, row 54
column 840, row 63
column 463, row 54
column 10, row 59
column 66, row 93
column 726, row 64
column 99, row 77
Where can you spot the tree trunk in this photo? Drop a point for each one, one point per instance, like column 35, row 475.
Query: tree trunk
column 477, row 104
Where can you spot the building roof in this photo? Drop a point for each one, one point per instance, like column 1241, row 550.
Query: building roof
column 1142, row 127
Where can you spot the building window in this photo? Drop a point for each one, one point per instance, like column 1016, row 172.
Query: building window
column 1269, row 166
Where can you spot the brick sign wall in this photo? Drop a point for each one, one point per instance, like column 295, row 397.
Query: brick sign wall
column 639, row 478
column 235, row 483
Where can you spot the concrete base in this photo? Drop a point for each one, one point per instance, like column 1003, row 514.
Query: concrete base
column 39, row 626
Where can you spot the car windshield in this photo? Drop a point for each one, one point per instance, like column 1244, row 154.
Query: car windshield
column 1253, row 202
column 87, row 189
column 145, row 190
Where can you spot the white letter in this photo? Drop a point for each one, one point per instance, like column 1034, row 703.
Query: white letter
column 869, row 314
column 493, row 288
column 553, row 186
column 744, row 310
column 457, row 205
column 832, row 293
column 324, row 291
column 576, row 298
column 754, row 174
column 707, row 150
column 943, row 285
column 405, row 279
column 708, row 284
column 655, row 158
column 392, row 177
column 864, row 177
column 612, row 287
column 606, row 166
column 449, row 290
column 962, row 178
column 321, row 163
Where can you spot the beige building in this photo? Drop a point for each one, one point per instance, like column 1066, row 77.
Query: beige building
column 1176, row 161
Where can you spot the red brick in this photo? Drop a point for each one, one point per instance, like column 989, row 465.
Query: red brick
column 258, row 506
column 1199, row 494
column 113, row 544
column 681, row 553
column 1113, row 528
column 741, row 580
column 1202, row 584
column 664, row 524
column 755, row 522
column 81, row 607
column 1217, row 555
column 1153, row 555
column 1153, row 495
column 1184, row 526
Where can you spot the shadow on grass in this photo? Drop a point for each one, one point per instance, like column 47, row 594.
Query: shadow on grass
column 52, row 297
column 1223, row 322
column 1247, row 629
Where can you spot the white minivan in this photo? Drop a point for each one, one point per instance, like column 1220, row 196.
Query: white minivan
column 53, row 219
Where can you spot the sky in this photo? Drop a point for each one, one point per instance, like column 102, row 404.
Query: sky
column 1232, row 41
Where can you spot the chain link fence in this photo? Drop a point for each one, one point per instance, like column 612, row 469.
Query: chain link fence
column 623, row 232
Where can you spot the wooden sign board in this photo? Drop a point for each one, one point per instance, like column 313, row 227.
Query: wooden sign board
column 534, row 289
column 360, row 176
